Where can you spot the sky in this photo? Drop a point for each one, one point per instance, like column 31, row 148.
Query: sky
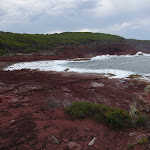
column 127, row 18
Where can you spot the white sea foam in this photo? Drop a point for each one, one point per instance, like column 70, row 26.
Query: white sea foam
column 54, row 66
column 117, row 73
column 39, row 65
column 60, row 65
column 107, row 56
column 140, row 53
column 103, row 57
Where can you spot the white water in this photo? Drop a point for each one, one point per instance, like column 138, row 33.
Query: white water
column 121, row 66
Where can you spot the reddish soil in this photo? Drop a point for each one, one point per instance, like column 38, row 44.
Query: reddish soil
column 32, row 109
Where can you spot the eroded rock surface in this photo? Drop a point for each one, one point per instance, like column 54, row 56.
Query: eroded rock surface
column 32, row 109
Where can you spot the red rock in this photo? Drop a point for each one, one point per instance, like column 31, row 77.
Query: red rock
column 35, row 121
column 73, row 146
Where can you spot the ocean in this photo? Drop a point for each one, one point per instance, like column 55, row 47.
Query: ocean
column 120, row 66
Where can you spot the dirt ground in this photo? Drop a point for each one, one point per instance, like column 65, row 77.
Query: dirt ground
column 32, row 109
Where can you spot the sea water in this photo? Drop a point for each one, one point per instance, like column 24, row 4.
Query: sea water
column 120, row 66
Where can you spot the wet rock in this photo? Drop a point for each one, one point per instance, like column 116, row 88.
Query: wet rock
column 67, row 69
column 81, row 59
column 133, row 76
column 73, row 146
column 123, row 81
column 110, row 74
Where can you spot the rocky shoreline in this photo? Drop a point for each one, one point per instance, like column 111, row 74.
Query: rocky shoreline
column 32, row 110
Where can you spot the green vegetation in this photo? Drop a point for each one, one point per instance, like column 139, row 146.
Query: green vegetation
column 143, row 141
column 30, row 43
column 2, row 52
column 137, row 119
column 130, row 146
column 141, row 120
column 113, row 117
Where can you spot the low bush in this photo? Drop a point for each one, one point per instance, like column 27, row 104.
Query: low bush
column 113, row 117
column 80, row 110
column 130, row 146
column 143, row 141
column 141, row 120
column 117, row 118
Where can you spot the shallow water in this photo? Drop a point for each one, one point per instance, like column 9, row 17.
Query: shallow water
column 121, row 66
column 138, row 65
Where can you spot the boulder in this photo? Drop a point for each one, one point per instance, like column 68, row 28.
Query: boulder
column 142, row 103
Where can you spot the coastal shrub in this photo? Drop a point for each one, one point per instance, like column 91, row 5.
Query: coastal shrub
column 141, row 120
column 28, row 43
column 117, row 118
column 130, row 146
column 113, row 117
column 80, row 109
column 143, row 141
column 1, row 52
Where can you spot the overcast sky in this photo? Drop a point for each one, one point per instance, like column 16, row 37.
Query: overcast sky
column 127, row 18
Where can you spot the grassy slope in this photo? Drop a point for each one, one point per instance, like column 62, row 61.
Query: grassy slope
column 26, row 43
column 29, row 43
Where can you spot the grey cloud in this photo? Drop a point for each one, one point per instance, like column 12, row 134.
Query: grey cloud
column 128, row 18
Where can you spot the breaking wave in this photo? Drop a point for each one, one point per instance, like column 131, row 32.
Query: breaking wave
column 107, row 56
column 119, row 66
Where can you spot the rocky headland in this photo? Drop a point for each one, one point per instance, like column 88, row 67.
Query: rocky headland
column 32, row 103
column 32, row 110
